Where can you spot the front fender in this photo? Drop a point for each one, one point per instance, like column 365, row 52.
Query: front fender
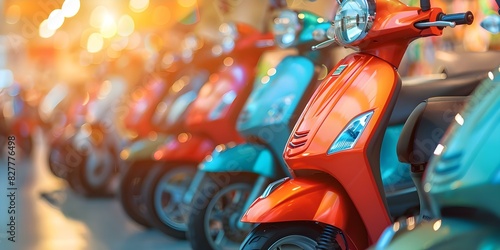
column 143, row 149
column 246, row 157
column 185, row 147
column 308, row 199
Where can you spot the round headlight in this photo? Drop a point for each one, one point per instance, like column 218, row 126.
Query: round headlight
column 229, row 33
column 286, row 28
column 353, row 20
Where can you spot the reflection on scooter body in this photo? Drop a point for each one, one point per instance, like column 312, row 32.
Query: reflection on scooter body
column 336, row 197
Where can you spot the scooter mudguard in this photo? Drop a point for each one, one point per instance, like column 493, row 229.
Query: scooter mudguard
column 246, row 157
column 144, row 149
column 185, row 147
column 309, row 199
column 445, row 233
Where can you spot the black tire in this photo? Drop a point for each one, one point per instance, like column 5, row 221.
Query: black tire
column 57, row 160
column 156, row 216
column 211, row 195
column 266, row 235
column 130, row 192
column 79, row 180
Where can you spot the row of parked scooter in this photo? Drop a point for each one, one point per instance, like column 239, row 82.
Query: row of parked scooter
column 248, row 143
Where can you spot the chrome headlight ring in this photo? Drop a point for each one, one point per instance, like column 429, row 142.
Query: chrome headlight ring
column 353, row 20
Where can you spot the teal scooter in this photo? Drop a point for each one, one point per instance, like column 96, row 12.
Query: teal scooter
column 462, row 179
column 237, row 174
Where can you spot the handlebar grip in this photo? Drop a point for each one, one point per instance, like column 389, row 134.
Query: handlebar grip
column 458, row 18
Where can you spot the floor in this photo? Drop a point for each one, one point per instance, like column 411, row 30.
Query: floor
column 49, row 216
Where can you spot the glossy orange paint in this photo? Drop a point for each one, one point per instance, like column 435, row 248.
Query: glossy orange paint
column 369, row 82
column 308, row 199
column 393, row 29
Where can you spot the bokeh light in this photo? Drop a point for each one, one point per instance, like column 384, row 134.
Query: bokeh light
column 97, row 16
column 138, row 5
column 55, row 20
column 13, row 14
column 108, row 26
column 70, row 7
column 44, row 30
column 125, row 25
column 95, row 43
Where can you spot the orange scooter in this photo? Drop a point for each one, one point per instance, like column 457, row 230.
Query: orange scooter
column 335, row 198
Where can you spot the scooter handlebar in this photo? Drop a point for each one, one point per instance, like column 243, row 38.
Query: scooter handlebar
column 458, row 18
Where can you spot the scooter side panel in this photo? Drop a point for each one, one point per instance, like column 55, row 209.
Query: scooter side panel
column 360, row 83
column 302, row 199
column 185, row 147
column 274, row 99
column 245, row 157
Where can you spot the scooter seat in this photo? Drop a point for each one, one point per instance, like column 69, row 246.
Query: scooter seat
column 458, row 74
column 425, row 127
column 415, row 90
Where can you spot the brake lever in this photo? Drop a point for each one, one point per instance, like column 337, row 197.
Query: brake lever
column 435, row 24
column 323, row 44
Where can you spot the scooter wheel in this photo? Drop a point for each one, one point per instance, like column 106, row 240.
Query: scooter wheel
column 92, row 180
column 294, row 235
column 216, row 210
column 130, row 190
column 163, row 191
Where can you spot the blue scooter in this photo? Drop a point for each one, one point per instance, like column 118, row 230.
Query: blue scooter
column 462, row 176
